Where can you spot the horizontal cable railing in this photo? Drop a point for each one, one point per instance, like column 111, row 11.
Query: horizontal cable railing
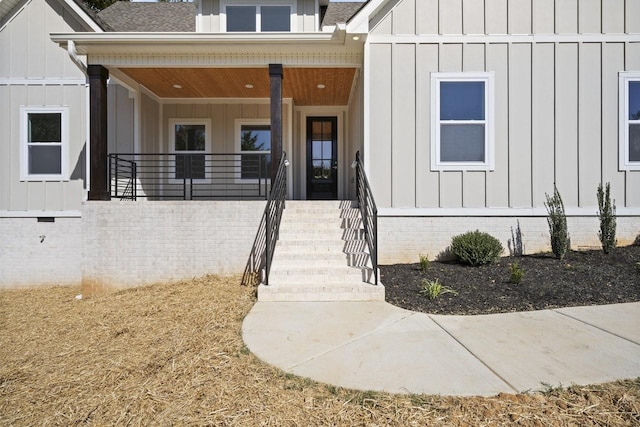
column 189, row 176
column 369, row 213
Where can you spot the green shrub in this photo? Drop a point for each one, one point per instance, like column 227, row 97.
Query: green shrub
column 476, row 248
column 433, row 289
column 517, row 274
column 424, row 263
column 607, row 216
column 557, row 221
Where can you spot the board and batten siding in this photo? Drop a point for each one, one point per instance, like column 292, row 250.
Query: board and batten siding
column 34, row 71
column 556, row 100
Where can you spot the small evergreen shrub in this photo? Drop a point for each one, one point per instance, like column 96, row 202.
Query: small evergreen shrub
column 557, row 221
column 517, row 273
column 476, row 248
column 424, row 263
column 607, row 217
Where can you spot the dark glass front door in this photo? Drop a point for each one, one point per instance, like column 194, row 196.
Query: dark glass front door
column 322, row 158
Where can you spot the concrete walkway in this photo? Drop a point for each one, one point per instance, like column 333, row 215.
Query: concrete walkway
column 377, row 346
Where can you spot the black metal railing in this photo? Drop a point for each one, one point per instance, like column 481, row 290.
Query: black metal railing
column 189, row 176
column 369, row 213
column 122, row 178
column 273, row 214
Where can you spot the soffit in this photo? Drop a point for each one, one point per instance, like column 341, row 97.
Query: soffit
column 300, row 84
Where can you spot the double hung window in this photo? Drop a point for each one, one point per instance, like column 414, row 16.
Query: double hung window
column 190, row 140
column 45, row 142
column 462, row 121
column 254, row 140
column 629, row 138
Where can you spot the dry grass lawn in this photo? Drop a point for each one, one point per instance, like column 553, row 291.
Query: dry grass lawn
column 172, row 354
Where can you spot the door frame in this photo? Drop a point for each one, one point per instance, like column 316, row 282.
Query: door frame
column 335, row 153
column 301, row 113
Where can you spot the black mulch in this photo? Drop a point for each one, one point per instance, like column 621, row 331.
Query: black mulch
column 581, row 278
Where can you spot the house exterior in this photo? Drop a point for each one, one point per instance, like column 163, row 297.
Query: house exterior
column 465, row 112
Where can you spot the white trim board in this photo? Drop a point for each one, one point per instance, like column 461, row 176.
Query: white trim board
column 42, row 82
column 496, row 212
column 506, row 38
column 36, row 214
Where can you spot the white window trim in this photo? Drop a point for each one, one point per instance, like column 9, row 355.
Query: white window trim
column 623, row 128
column 489, row 154
column 238, row 137
column 64, row 144
column 172, row 145
column 223, row 11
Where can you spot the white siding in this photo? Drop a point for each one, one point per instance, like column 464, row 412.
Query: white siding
column 556, row 103
column 27, row 52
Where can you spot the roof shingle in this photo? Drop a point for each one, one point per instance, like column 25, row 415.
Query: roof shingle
column 124, row 16
column 340, row 12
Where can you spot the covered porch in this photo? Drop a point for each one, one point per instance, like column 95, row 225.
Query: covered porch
column 208, row 116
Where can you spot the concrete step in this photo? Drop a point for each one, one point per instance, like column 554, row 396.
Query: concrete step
column 315, row 223
column 287, row 268
column 326, row 257
column 309, row 292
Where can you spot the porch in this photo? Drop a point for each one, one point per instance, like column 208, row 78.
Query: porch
column 189, row 176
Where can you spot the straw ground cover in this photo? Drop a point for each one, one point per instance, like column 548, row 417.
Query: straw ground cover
column 172, row 354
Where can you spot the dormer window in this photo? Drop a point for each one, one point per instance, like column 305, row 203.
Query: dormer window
column 274, row 16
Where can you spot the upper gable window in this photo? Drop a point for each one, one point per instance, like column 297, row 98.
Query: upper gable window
column 275, row 16
column 629, row 121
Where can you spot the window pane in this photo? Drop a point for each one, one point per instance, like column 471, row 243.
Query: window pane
column 634, row 143
column 634, row 100
column 241, row 18
column 190, row 137
column 45, row 160
column 316, row 149
column 45, row 127
column 255, row 138
column 462, row 143
column 462, row 101
column 275, row 18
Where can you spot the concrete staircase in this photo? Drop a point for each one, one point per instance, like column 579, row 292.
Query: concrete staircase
column 321, row 256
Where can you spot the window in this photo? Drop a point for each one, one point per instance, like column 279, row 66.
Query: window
column 247, row 17
column 190, row 140
column 462, row 121
column 254, row 141
column 44, row 143
column 629, row 139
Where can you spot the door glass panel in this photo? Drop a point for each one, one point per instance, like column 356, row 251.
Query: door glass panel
column 326, row 149
column 317, row 169
column 316, row 149
column 326, row 169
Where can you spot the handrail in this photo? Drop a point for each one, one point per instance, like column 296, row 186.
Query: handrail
column 369, row 213
column 273, row 213
column 189, row 175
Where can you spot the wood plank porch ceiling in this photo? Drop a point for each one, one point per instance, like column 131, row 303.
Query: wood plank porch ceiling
column 301, row 84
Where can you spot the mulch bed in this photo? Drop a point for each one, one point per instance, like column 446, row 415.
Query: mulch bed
column 581, row 278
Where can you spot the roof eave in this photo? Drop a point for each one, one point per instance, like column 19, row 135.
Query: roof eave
column 87, row 42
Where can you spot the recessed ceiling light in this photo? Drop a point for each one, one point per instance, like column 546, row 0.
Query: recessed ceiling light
column 249, row 86
column 177, row 86
column 356, row 37
column 321, row 86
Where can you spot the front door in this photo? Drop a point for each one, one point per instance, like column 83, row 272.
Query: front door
column 322, row 158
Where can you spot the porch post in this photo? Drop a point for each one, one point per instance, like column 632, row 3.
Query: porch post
column 98, row 188
column 275, row 77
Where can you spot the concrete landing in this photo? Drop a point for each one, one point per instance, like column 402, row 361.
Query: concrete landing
column 377, row 346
